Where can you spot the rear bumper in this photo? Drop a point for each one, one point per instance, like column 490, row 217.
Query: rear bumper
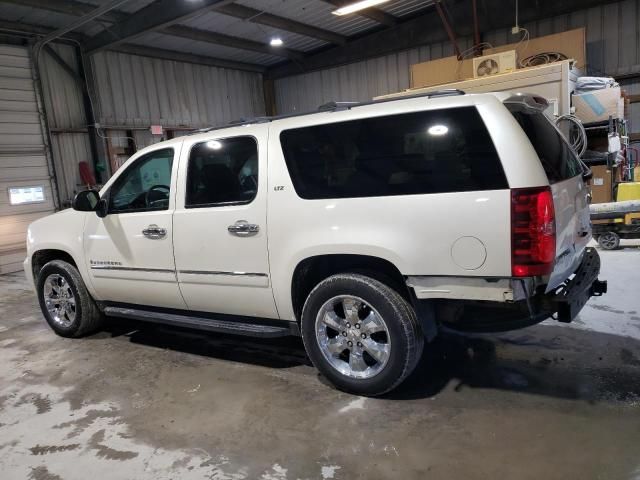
column 569, row 300
column 563, row 304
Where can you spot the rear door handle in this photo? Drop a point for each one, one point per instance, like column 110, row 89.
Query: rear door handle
column 154, row 232
column 242, row 228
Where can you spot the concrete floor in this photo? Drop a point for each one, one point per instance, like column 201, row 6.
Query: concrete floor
column 151, row 402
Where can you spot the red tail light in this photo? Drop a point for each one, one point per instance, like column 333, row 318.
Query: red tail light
column 533, row 232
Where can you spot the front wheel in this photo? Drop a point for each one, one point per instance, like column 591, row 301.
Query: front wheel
column 361, row 334
column 65, row 302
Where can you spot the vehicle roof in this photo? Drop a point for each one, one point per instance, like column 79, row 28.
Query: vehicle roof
column 436, row 97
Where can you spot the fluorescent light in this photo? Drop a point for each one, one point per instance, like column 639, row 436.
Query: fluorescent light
column 276, row 42
column 214, row 145
column 354, row 7
column 438, row 130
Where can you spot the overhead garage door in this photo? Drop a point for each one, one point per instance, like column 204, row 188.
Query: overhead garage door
column 25, row 184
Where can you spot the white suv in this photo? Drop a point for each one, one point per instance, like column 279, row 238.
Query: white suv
column 364, row 228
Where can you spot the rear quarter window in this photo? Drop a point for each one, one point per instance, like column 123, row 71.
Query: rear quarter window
column 437, row 151
column 558, row 160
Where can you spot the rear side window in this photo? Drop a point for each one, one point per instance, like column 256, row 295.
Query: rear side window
column 558, row 160
column 447, row 150
column 222, row 172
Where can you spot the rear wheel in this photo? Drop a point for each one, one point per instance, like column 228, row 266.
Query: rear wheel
column 65, row 302
column 609, row 241
column 361, row 334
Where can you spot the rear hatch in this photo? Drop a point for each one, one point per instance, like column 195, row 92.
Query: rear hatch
column 564, row 171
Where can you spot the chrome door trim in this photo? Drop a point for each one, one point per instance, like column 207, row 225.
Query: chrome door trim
column 132, row 269
column 154, row 232
column 242, row 228
column 234, row 274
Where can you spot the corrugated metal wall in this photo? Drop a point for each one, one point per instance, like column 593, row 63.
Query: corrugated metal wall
column 139, row 91
column 23, row 162
column 134, row 92
column 65, row 111
column 613, row 48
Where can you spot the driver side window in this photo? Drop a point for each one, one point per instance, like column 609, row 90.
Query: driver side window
column 144, row 186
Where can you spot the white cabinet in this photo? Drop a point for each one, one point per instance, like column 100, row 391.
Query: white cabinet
column 554, row 81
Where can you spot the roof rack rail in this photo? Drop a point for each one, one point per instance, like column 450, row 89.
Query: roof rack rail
column 333, row 106
column 244, row 121
column 233, row 123
column 446, row 92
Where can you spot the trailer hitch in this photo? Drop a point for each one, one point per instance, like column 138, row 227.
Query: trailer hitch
column 598, row 288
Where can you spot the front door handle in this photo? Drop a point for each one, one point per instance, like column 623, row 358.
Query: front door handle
column 154, row 232
column 243, row 229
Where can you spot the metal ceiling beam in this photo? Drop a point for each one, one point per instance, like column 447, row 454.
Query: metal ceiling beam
column 84, row 19
column 427, row 29
column 67, row 7
column 10, row 27
column 78, row 8
column 163, row 54
column 75, row 8
column 447, row 27
column 264, row 18
column 35, row 30
column 229, row 41
column 64, row 65
column 371, row 13
column 153, row 17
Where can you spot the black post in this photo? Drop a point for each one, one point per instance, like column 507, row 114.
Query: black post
column 91, row 119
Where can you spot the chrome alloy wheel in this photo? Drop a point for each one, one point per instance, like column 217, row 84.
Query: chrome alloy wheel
column 59, row 299
column 353, row 337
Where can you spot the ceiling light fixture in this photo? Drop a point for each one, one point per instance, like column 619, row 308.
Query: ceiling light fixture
column 276, row 42
column 354, row 7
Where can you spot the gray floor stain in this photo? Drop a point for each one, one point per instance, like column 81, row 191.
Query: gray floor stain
column 42, row 403
column 122, row 405
column 629, row 358
column 605, row 308
column 43, row 473
column 106, row 452
column 47, row 449
column 82, row 423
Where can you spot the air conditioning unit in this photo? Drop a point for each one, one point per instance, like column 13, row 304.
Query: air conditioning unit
column 496, row 63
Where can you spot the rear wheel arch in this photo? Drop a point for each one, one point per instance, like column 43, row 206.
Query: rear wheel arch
column 312, row 270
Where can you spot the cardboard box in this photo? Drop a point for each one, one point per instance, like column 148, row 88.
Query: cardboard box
column 597, row 106
column 443, row 70
column 601, row 184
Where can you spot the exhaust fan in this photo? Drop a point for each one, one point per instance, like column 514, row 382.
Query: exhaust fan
column 492, row 64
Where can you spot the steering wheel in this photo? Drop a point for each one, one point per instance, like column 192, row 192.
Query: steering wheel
column 161, row 194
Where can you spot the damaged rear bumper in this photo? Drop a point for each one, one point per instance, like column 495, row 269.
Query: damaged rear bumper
column 563, row 304
column 569, row 299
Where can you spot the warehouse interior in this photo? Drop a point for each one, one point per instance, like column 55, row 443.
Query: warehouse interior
column 85, row 84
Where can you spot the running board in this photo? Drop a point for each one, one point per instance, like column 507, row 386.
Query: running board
column 209, row 324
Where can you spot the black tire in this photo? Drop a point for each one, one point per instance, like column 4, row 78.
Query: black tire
column 88, row 317
column 405, row 334
column 609, row 241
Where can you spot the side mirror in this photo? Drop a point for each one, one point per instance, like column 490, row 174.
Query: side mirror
column 86, row 201
column 103, row 208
